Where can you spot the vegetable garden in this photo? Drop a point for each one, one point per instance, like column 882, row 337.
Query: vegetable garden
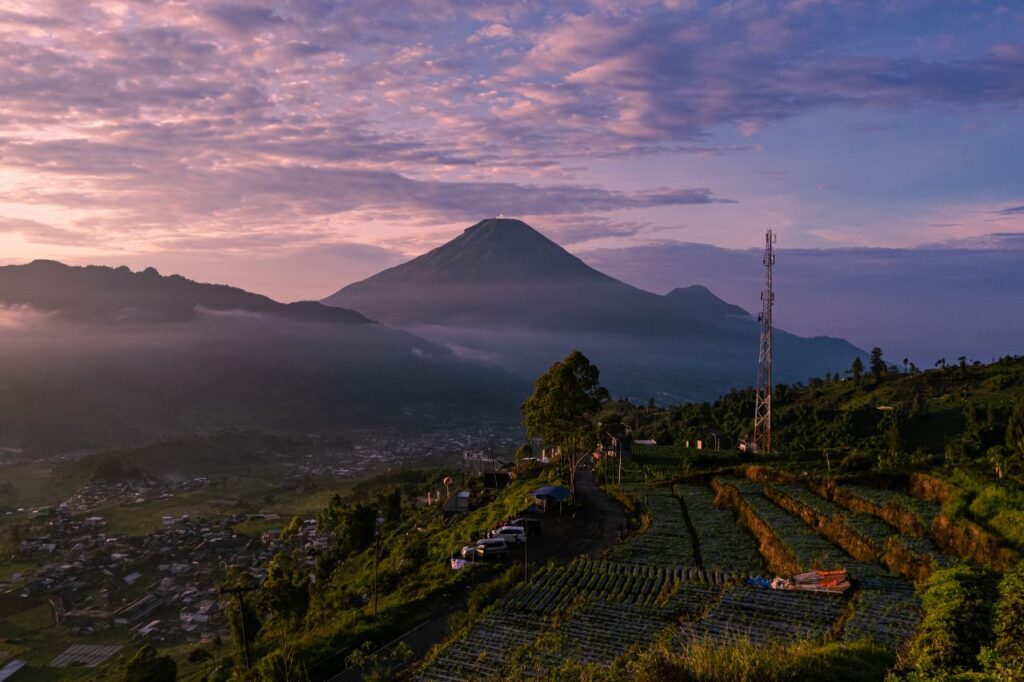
column 684, row 574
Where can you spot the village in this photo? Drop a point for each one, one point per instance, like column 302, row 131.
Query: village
column 163, row 585
column 144, row 557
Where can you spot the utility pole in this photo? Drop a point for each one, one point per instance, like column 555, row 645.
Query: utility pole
column 376, row 563
column 762, row 439
column 239, row 592
column 526, row 552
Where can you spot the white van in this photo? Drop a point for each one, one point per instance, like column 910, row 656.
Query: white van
column 513, row 534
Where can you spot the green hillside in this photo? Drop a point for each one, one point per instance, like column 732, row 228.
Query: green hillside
column 953, row 414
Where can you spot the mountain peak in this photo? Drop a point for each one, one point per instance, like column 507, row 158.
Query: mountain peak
column 493, row 250
column 501, row 227
column 698, row 300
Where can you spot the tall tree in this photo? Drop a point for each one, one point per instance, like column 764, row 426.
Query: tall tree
column 563, row 407
column 877, row 364
column 1015, row 429
column 857, row 369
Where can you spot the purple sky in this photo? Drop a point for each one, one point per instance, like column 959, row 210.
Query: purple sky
column 293, row 147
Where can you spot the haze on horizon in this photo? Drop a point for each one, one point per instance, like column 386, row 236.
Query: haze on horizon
column 293, row 147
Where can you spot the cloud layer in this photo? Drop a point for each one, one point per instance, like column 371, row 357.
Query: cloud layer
column 133, row 129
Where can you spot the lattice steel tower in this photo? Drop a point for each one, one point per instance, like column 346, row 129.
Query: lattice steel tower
column 762, row 441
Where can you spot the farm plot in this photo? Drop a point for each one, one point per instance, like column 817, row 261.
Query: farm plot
column 671, row 455
column 556, row 589
column 602, row 632
column 723, row 544
column 762, row 616
column 810, row 549
column 485, row 650
column 886, row 611
column 871, row 528
column 924, row 549
column 667, row 542
column 608, row 607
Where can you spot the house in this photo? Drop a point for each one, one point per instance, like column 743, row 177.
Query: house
column 90, row 620
column 137, row 610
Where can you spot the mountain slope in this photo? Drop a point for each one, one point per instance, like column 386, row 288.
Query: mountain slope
column 100, row 357
column 503, row 291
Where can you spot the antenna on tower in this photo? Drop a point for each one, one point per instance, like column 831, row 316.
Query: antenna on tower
column 762, row 441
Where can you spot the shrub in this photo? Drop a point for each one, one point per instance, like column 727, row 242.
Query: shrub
column 1005, row 658
column 858, row 460
column 743, row 661
column 990, row 501
column 957, row 620
column 1010, row 524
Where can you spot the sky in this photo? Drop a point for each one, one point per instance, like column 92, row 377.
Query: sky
column 293, row 147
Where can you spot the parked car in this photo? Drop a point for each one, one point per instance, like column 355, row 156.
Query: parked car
column 489, row 548
column 532, row 526
column 513, row 534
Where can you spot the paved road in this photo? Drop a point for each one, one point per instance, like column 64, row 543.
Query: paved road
column 602, row 517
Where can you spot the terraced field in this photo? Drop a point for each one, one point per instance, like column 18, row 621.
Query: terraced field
column 685, row 576
column 810, row 549
column 923, row 512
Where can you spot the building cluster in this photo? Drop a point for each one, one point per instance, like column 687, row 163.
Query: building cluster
column 164, row 585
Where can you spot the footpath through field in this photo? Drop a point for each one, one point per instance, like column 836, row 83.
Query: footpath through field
column 600, row 519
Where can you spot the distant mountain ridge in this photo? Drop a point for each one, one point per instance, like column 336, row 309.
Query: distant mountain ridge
column 98, row 357
column 94, row 292
column 504, row 291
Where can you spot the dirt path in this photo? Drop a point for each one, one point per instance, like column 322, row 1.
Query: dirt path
column 602, row 517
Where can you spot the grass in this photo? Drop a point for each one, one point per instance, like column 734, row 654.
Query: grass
column 740, row 661
column 36, row 485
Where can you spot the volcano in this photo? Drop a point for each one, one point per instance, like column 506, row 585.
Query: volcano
column 504, row 292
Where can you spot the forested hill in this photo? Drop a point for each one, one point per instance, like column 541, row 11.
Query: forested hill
column 958, row 412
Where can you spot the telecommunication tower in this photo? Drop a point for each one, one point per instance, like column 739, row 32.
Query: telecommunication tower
column 762, row 440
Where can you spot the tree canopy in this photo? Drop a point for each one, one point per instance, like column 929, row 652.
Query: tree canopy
column 148, row 666
column 563, row 408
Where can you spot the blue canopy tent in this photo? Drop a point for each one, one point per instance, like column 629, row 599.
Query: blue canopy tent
column 550, row 493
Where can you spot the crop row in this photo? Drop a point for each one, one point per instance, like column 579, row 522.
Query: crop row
column 485, row 649
column 667, row 541
column 616, row 606
column 923, row 512
column 870, row 528
column 808, row 548
column 602, row 631
column 722, row 542
column 660, row 454
column 556, row 589
column 926, row 550
column 809, row 499
column 762, row 616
